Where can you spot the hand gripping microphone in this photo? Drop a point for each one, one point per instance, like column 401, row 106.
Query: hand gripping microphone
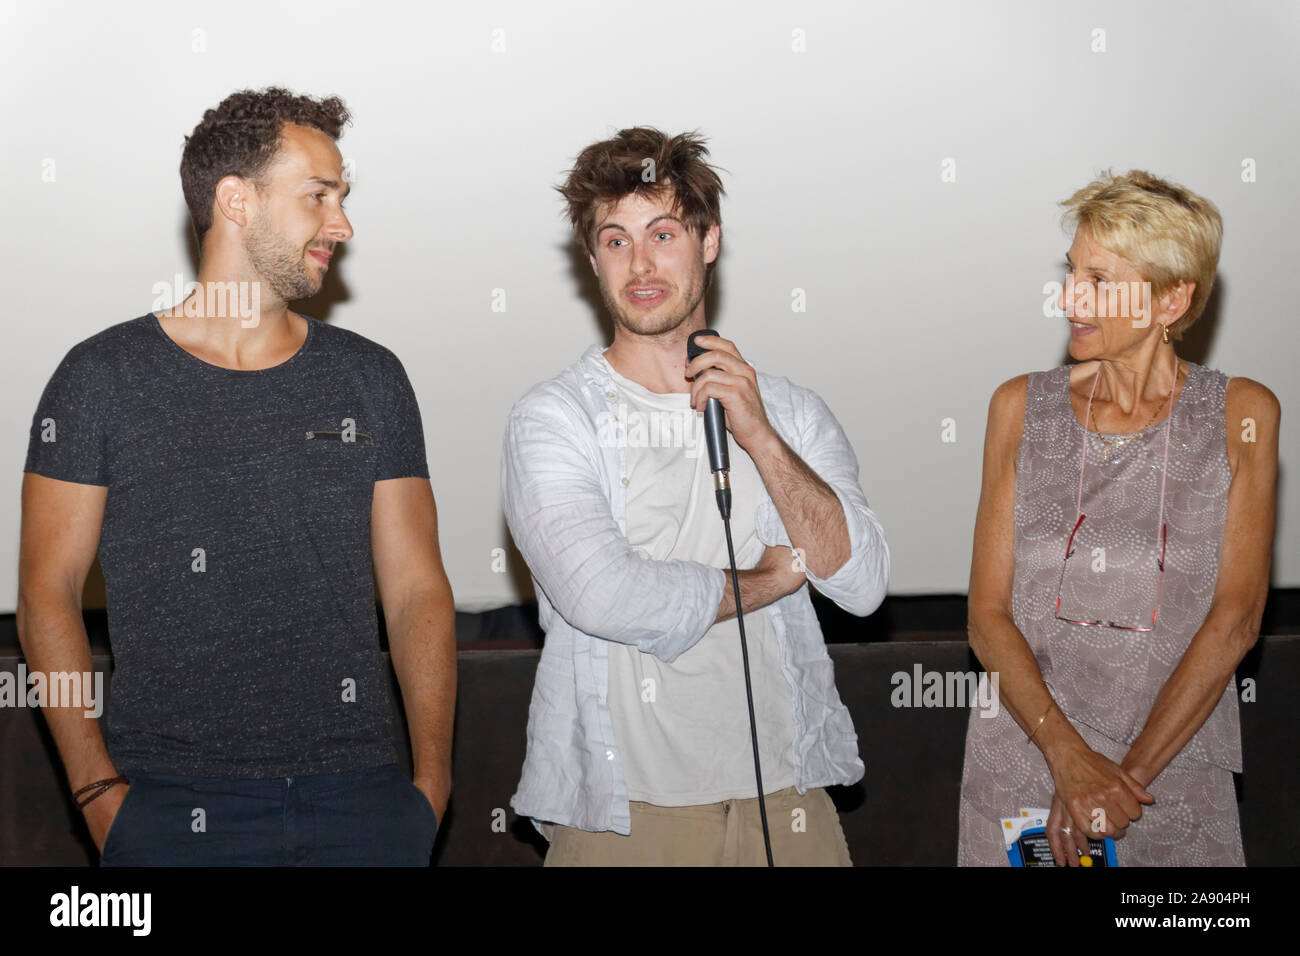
column 715, row 436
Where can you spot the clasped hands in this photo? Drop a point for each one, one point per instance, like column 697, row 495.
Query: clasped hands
column 1095, row 797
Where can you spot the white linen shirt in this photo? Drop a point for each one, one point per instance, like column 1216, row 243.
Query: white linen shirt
column 564, row 490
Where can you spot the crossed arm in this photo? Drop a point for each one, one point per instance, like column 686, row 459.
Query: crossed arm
column 561, row 519
column 822, row 512
column 814, row 519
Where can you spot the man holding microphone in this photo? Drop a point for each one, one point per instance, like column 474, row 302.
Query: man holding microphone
column 639, row 745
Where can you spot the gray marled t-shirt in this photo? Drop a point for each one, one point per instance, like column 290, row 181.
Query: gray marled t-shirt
column 236, row 544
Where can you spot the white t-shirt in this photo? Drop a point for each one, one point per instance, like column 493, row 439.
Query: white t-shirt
column 683, row 728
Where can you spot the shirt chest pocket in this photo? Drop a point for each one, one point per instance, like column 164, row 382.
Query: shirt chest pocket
column 337, row 467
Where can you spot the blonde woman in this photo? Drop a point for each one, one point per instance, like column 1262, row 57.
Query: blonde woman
column 1122, row 552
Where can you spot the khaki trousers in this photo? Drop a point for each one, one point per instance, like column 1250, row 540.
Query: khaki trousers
column 805, row 831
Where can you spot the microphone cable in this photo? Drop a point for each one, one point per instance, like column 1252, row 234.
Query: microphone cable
column 716, row 435
column 724, row 506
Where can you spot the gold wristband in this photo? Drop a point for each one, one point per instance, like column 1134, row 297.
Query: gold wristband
column 1042, row 719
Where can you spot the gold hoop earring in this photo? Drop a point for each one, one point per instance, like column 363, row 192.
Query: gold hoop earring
column 1164, row 332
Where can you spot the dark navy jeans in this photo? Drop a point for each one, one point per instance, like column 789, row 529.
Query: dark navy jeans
column 374, row 817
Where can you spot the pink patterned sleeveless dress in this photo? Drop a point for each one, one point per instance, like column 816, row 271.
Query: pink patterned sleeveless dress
column 1104, row 679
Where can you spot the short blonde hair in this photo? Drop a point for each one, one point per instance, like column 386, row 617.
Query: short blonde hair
column 1167, row 232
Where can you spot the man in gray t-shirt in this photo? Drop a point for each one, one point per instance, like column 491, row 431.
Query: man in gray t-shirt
column 248, row 476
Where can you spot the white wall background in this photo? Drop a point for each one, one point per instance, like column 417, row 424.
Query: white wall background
column 922, row 295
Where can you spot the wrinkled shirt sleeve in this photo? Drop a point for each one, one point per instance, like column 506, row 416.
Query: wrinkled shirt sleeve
column 558, row 511
column 859, row 585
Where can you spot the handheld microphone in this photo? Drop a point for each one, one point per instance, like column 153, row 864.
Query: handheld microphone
column 715, row 434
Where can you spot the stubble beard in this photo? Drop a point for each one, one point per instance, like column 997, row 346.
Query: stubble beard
column 655, row 323
column 279, row 263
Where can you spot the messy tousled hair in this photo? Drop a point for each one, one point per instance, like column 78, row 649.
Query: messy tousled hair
column 1167, row 232
column 240, row 138
column 646, row 161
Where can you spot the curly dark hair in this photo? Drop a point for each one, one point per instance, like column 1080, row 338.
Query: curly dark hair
column 609, row 170
column 240, row 138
